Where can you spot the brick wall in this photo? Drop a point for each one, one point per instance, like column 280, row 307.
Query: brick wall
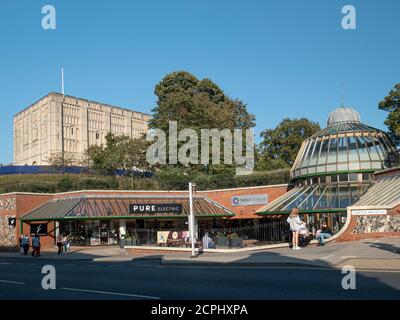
column 246, row 212
column 372, row 227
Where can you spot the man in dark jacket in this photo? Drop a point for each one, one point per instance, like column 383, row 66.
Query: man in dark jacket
column 322, row 234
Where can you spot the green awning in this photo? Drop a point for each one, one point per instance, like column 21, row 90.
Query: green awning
column 104, row 206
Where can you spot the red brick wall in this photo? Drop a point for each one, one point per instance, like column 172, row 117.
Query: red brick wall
column 350, row 235
column 246, row 212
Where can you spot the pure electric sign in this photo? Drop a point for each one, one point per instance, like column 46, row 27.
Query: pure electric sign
column 154, row 208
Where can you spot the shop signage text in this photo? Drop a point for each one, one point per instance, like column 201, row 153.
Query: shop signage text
column 368, row 212
column 249, row 200
column 154, row 208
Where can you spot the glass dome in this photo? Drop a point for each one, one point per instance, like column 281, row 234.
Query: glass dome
column 344, row 145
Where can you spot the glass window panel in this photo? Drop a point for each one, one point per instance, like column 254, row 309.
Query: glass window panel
column 307, row 154
column 371, row 148
column 362, row 149
column 352, row 145
column 331, row 167
column 354, row 166
column 343, row 166
column 353, row 176
column 334, row 178
column 343, row 177
column 365, row 165
column 366, row 176
column 324, row 151
column 379, row 148
column 332, row 153
column 342, row 150
column 314, row 156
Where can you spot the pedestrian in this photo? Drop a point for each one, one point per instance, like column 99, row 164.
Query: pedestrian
column 21, row 248
column 322, row 234
column 25, row 244
column 65, row 241
column 295, row 226
column 60, row 244
column 36, row 246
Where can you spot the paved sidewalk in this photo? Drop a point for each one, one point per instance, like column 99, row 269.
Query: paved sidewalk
column 382, row 254
column 77, row 253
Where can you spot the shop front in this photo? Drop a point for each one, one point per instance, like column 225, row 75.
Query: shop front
column 92, row 220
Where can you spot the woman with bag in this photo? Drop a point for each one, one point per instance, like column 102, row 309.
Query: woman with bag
column 295, row 226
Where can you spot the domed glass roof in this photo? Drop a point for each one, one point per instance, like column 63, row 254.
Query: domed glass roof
column 343, row 114
column 344, row 145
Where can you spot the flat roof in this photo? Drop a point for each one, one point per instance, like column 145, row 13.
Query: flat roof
column 83, row 99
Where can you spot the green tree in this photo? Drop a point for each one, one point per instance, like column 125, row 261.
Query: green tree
column 280, row 145
column 391, row 104
column 197, row 104
column 120, row 153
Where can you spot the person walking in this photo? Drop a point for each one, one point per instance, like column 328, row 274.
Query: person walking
column 25, row 244
column 295, row 225
column 36, row 246
column 60, row 244
column 65, row 242
column 322, row 234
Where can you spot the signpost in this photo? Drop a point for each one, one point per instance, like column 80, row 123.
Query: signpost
column 192, row 189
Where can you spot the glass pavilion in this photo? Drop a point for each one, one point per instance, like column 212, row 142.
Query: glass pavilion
column 334, row 168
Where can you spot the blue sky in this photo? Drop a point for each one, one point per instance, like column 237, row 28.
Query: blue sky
column 283, row 58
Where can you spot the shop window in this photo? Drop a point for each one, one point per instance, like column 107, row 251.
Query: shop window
column 353, row 177
column 366, row 176
column 343, row 177
column 334, row 178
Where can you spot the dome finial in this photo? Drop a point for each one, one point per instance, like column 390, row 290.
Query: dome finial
column 341, row 94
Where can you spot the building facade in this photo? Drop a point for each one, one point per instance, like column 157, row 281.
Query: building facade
column 64, row 125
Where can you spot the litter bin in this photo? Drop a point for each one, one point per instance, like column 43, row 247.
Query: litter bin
column 122, row 243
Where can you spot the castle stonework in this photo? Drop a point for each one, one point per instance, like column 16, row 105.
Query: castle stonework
column 64, row 125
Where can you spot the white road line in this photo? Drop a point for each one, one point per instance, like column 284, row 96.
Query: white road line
column 327, row 257
column 111, row 293
column 5, row 262
column 13, row 282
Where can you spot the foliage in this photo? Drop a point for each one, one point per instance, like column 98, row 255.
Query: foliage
column 391, row 104
column 196, row 104
column 120, row 153
column 280, row 145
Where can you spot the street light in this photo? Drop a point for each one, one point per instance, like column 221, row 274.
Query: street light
column 192, row 189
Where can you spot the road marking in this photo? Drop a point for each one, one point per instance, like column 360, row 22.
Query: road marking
column 13, row 282
column 327, row 257
column 5, row 262
column 337, row 269
column 112, row 293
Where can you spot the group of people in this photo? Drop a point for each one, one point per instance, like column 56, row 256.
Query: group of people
column 299, row 227
column 25, row 244
column 62, row 244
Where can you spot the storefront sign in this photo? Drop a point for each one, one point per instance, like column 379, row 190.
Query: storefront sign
column 155, row 208
column 173, row 237
column 368, row 212
column 249, row 200
column 12, row 222
column 39, row 229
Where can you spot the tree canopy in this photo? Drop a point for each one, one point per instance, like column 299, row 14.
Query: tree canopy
column 120, row 153
column 391, row 104
column 279, row 146
column 197, row 104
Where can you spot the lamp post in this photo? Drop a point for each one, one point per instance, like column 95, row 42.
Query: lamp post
column 192, row 189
